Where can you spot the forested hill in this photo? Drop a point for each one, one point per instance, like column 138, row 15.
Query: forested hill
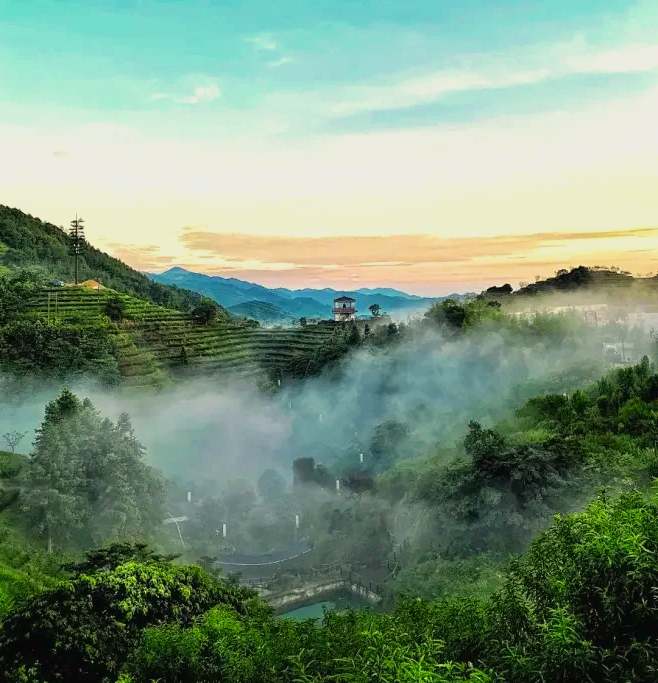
column 26, row 241
column 576, row 279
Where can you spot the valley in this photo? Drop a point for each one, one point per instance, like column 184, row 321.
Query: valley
column 213, row 482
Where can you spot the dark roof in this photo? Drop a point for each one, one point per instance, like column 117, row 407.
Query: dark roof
column 344, row 298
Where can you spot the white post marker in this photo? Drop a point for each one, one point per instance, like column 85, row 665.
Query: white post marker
column 297, row 521
column 189, row 496
column 337, row 485
column 360, row 457
column 320, row 417
column 223, row 530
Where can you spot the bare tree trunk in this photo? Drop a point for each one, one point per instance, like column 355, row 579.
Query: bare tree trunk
column 50, row 543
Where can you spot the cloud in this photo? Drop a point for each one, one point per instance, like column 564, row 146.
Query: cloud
column 262, row 42
column 279, row 62
column 342, row 251
column 634, row 58
column 529, row 65
column 206, row 93
column 60, row 154
column 145, row 257
column 203, row 93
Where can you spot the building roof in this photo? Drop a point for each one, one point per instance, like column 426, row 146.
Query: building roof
column 344, row 298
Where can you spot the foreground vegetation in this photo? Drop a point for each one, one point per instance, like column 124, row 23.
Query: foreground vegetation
column 580, row 605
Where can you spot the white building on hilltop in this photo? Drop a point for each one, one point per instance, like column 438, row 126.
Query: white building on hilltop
column 344, row 309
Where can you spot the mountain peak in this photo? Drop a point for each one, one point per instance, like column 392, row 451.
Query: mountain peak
column 177, row 270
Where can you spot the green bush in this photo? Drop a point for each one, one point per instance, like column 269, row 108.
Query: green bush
column 84, row 629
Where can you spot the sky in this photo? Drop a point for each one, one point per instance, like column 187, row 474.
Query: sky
column 430, row 146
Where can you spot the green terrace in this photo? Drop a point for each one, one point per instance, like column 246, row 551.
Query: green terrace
column 149, row 339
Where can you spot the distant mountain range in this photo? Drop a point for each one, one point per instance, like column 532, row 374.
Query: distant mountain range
column 281, row 305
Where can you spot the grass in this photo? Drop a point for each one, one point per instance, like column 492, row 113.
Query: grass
column 150, row 338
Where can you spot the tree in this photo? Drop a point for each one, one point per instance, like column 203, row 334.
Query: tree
column 15, row 292
column 271, row 486
column 206, row 312
column 353, row 337
column 239, row 499
column 302, row 322
column 359, row 481
column 387, row 441
column 115, row 308
column 111, row 556
column 77, row 241
column 307, row 471
column 375, row 309
column 487, row 448
column 448, row 314
column 182, row 356
column 13, row 439
column 303, row 470
column 505, row 290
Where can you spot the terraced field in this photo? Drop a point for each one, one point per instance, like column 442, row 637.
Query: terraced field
column 150, row 339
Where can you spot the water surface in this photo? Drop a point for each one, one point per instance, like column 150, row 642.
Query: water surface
column 314, row 611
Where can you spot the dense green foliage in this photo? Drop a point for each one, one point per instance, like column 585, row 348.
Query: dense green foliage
column 55, row 350
column 84, row 629
column 206, row 312
column 579, row 606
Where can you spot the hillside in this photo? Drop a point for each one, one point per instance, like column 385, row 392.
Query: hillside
column 578, row 279
column 308, row 303
column 263, row 312
column 149, row 339
column 26, row 241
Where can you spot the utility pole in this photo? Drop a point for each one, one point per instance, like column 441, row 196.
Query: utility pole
column 77, row 241
column 175, row 521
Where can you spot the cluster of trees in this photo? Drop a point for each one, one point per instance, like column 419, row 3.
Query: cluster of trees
column 504, row 483
column 85, row 481
column 347, row 338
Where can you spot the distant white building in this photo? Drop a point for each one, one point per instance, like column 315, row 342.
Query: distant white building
column 344, row 309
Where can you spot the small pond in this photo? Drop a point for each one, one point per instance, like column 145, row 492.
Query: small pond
column 314, row 611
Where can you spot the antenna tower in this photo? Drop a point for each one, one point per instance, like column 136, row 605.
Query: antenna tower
column 77, row 241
